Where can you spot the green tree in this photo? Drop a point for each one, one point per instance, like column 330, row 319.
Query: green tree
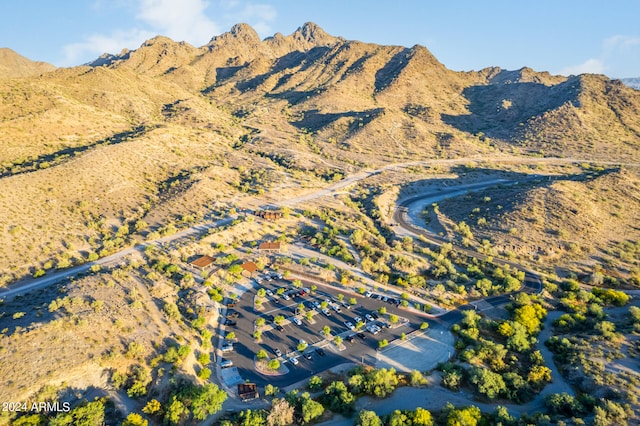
column 337, row 341
column 398, row 418
column 208, row 400
column 270, row 390
column 315, row 383
column 175, row 412
column 261, row 354
column 530, row 316
column 380, row 382
column 250, row 417
column 310, row 410
column 152, row 407
column 273, row 364
column 488, row 383
column 417, row 379
column 368, row 418
column 338, row 398
column 421, row 417
column 326, row 331
column 135, row 419
column 204, row 373
column 468, row 416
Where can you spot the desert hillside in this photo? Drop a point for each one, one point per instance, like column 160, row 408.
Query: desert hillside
column 13, row 65
column 164, row 132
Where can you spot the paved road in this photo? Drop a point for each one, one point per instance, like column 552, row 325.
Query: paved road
column 532, row 282
column 26, row 285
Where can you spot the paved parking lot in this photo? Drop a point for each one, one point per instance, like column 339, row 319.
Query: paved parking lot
column 361, row 347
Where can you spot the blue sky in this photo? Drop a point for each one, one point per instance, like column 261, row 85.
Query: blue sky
column 559, row 36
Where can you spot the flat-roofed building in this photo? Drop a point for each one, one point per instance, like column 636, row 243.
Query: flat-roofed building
column 203, row 262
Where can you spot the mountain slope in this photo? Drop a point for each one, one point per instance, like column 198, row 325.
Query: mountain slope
column 169, row 129
column 14, row 65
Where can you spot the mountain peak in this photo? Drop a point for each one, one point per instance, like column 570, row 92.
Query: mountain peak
column 313, row 34
column 239, row 32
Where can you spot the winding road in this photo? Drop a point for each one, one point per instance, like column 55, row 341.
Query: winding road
column 401, row 216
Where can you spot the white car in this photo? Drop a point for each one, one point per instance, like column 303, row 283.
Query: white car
column 350, row 325
column 357, row 320
column 326, row 312
column 269, row 293
column 296, row 320
column 226, row 363
column 227, row 347
column 368, row 293
column 285, row 297
column 368, row 317
column 293, row 361
column 336, row 308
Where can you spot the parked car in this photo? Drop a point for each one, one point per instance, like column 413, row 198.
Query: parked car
column 357, row 320
column 307, row 355
column 279, row 327
column 349, row 338
column 368, row 293
column 320, row 351
column 369, row 317
column 277, row 351
column 226, row 363
column 227, row 347
column 232, row 314
column 269, row 293
column 349, row 325
column 326, row 312
column 374, row 315
column 293, row 361
column 296, row 320
column 230, row 322
column 361, row 335
column 336, row 308
column 384, row 298
column 285, row 296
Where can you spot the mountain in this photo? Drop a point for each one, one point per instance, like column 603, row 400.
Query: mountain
column 14, row 65
column 632, row 82
column 170, row 129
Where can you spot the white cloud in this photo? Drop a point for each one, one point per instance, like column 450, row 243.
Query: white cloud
column 193, row 21
column 593, row 66
column 620, row 42
column 179, row 19
column 97, row 44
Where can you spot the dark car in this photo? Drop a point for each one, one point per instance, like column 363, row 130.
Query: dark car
column 361, row 335
column 279, row 328
column 230, row 322
column 374, row 315
column 307, row 355
column 270, row 318
column 349, row 339
column 320, row 351
column 233, row 314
